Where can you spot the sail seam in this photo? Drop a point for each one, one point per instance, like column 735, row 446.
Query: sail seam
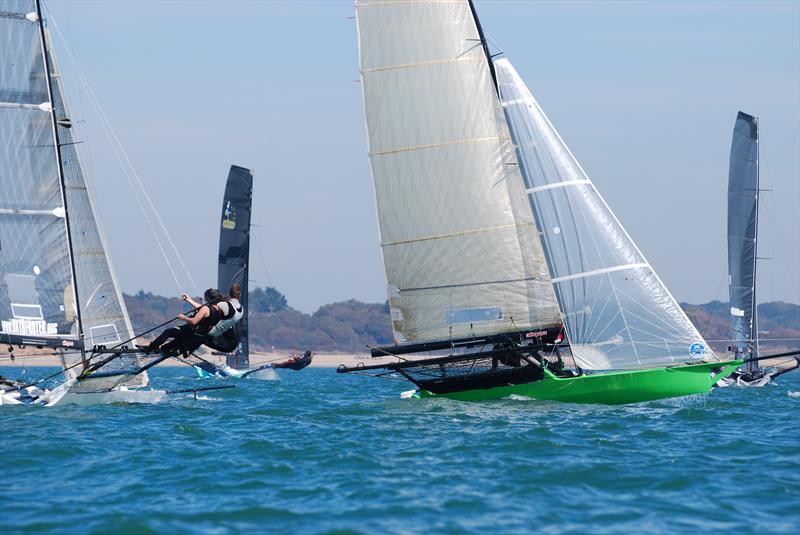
column 438, row 145
column 558, row 185
column 402, row 66
column 506, row 281
column 379, row 3
column 456, row 234
column 594, row 272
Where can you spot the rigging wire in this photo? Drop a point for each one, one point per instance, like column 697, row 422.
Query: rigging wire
column 261, row 256
column 130, row 171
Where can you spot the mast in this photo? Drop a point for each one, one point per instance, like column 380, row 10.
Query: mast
column 484, row 45
column 753, row 364
column 62, row 181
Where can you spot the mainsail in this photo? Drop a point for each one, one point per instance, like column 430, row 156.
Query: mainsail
column 617, row 313
column 459, row 243
column 742, row 235
column 57, row 285
column 234, row 249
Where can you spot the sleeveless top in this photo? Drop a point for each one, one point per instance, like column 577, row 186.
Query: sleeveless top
column 231, row 311
column 208, row 323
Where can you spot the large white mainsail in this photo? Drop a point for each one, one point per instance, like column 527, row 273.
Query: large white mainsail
column 458, row 238
column 49, row 237
column 617, row 312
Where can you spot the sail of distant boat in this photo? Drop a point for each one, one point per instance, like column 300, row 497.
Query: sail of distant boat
column 743, row 192
column 498, row 249
column 743, row 201
column 234, row 252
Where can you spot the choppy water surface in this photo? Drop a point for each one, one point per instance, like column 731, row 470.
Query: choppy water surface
column 315, row 452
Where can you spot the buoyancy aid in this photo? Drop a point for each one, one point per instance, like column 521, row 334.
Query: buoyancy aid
column 210, row 322
column 231, row 311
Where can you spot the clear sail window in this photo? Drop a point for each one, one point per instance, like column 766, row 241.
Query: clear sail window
column 472, row 315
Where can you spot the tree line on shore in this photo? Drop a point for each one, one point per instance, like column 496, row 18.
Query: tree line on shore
column 351, row 326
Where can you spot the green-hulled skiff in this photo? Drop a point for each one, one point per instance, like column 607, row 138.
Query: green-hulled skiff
column 613, row 388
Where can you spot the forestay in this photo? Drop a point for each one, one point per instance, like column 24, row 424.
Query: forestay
column 617, row 312
column 742, row 231
column 47, row 203
column 458, row 238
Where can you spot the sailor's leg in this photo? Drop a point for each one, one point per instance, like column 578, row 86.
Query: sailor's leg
column 172, row 332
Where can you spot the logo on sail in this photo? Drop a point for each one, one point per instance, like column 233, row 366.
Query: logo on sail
column 229, row 217
column 697, row 349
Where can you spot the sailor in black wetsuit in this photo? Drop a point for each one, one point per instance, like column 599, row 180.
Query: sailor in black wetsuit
column 189, row 337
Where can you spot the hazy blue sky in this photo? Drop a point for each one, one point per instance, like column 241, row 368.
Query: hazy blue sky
column 644, row 93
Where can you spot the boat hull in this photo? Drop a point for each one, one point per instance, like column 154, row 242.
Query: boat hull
column 612, row 388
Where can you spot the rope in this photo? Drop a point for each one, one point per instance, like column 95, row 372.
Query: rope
column 121, row 154
column 102, row 362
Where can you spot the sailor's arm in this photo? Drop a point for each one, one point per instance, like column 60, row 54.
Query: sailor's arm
column 191, row 301
column 197, row 318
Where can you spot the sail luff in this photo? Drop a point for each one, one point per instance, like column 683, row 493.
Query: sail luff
column 60, row 163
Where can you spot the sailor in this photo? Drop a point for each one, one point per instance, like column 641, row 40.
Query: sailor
column 231, row 310
column 225, row 335
column 190, row 336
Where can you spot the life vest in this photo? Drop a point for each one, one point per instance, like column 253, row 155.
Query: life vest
column 210, row 322
column 231, row 311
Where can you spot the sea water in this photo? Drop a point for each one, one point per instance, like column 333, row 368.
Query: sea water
column 317, row 452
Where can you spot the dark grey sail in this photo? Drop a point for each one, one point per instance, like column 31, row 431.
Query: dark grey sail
column 234, row 250
column 742, row 235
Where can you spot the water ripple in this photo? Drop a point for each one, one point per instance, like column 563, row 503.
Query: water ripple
column 320, row 453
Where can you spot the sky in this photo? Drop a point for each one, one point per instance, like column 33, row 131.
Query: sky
column 644, row 93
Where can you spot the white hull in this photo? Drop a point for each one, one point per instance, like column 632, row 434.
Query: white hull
column 63, row 395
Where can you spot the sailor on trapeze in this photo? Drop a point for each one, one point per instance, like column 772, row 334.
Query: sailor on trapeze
column 212, row 324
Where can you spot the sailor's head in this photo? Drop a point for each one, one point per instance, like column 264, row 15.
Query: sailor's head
column 307, row 353
column 212, row 295
column 236, row 291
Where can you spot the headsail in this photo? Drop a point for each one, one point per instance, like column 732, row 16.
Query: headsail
column 50, row 241
column 742, row 234
column 234, row 249
column 617, row 312
column 459, row 243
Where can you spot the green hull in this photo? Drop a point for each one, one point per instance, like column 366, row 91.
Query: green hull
column 613, row 388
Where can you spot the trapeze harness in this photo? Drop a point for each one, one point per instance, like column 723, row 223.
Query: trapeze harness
column 226, row 335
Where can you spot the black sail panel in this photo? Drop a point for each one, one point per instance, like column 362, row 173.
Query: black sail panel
column 742, row 230
column 234, row 249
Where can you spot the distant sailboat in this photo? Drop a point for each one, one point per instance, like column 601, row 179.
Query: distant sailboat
column 234, row 252
column 498, row 249
column 234, row 263
column 743, row 200
column 57, row 284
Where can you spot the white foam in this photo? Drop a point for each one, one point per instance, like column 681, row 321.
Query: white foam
column 267, row 374
column 517, row 397
column 793, row 394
